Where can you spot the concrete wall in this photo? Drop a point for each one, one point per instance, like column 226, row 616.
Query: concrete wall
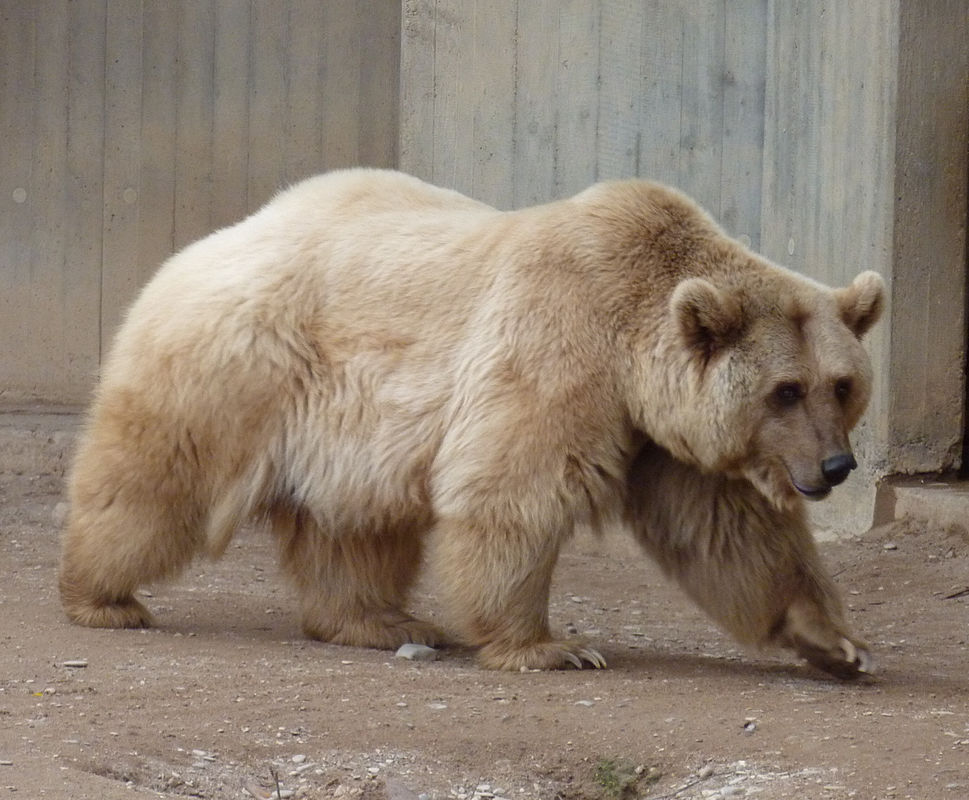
column 520, row 101
column 131, row 128
column 831, row 135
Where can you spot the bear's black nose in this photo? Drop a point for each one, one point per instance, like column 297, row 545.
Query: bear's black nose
column 836, row 468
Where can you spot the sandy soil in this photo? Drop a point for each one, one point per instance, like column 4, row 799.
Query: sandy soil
column 226, row 700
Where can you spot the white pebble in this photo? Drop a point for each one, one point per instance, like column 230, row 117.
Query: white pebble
column 77, row 663
column 298, row 759
column 60, row 514
column 416, row 652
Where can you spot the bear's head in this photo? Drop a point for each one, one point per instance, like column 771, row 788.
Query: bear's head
column 775, row 375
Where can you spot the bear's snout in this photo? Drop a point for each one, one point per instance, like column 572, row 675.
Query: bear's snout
column 836, row 468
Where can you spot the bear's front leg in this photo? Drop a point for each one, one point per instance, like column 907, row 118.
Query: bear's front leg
column 496, row 583
column 752, row 567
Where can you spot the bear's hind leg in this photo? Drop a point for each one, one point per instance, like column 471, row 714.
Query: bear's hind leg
column 751, row 566
column 123, row 531
column 353, row 587
column 496, row 585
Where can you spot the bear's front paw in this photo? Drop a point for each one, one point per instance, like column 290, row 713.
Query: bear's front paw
column 846, row 660
column 542, row 655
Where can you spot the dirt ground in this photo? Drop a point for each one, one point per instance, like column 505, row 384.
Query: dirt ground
column 227, row 700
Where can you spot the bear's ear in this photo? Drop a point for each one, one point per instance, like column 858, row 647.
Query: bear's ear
column 708, row 318
column 862, row 303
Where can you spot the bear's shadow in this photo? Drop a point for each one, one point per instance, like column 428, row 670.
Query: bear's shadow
column 643, row 663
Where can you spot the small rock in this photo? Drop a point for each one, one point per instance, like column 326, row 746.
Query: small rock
column 890, row 546
column 77, row 663
column 585, row 703
column 416, row 652
column 750, row 725
column 298, row 759
column 705, row 771
column 397, row 791
column 437, row 706
column 60, row 514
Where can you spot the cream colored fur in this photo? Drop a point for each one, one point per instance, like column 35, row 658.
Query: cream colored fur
column 375, row 366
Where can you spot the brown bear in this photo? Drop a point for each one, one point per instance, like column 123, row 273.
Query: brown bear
column 372, row 366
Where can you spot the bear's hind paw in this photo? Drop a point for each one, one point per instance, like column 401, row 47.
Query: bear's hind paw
column 543, row 655
column 386, row 631
column 128, row 613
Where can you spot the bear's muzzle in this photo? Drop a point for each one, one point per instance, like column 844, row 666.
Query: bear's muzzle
column 836, row 468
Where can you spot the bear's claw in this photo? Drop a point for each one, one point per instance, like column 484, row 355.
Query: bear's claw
column 594, row 657
column 544, row 655
column 848, row 660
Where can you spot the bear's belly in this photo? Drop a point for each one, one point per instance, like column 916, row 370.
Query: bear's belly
column 362, row 469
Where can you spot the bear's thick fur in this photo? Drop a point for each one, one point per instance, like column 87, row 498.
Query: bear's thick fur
column 371, row 365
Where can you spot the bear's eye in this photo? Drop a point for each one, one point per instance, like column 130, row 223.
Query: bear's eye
column 842, row 388
column 788, row 394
